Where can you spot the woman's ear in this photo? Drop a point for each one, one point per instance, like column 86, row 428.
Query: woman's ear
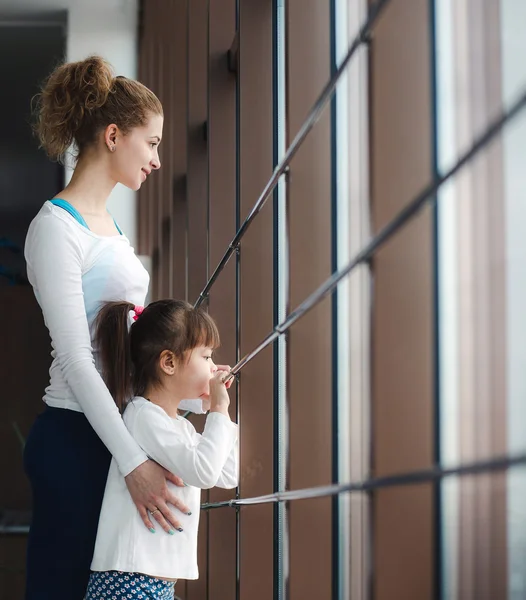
column 167, row 362
column 110, row 137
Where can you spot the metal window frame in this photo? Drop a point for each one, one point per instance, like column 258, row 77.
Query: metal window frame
column 427, row 196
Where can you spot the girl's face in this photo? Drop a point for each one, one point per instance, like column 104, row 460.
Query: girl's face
column 136, row 154
column 193, row 378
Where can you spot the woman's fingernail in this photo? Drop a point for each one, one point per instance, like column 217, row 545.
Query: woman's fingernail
column 179, row 529
column 152, row 529
column 188, row 513
column 171, row 532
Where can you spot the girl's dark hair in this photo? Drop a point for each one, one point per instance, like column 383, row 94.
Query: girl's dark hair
column 80, row 99
column 129, row 357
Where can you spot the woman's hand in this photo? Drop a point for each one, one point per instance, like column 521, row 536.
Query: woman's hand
column 148, row 489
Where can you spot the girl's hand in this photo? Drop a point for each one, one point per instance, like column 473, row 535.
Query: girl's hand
column 206, row 400
column 219, row 399
column 149, row 492
column 226, row 368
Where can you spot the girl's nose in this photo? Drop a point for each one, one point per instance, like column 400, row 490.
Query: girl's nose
column 213, row 367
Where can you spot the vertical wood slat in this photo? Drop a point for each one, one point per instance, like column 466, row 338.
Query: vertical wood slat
column 403, row 309
column 180, row 204
column 222, row 228
column 163, row 64
column 256, row 294
column 197, row 184
column 310, row 340
column 197, row 192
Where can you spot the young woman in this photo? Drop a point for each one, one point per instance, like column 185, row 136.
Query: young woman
column 78, row 258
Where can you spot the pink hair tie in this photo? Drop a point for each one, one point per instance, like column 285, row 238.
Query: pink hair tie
column 138, row 310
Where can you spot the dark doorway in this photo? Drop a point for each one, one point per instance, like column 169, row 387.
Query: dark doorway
column 28, row 51
column 27, row 54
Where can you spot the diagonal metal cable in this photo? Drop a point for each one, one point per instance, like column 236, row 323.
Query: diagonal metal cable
column 376, row 483
column 428, row 194
column 313, row 117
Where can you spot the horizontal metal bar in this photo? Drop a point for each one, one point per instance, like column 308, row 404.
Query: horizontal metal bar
column 310, row 121
column 368, row 485
column 34, row 23
column 14, row 529
column 412, row 209
column 376, row 483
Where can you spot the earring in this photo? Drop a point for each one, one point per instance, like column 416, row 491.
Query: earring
column 111, row 148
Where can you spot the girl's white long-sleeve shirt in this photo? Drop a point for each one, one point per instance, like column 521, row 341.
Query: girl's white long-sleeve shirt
column 73, row 271
column 202, row 460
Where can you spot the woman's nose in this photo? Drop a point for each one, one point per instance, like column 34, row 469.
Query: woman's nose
column 156, row 163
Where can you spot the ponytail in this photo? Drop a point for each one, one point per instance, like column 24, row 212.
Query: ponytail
column 112, row 340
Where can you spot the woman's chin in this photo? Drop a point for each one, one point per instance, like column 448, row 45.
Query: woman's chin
column 132, row 185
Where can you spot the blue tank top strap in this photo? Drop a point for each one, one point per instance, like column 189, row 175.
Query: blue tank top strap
column 75, row 213
column 70, row 209
column 118, row 228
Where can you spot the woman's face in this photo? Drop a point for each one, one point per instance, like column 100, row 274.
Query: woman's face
column 136, row 154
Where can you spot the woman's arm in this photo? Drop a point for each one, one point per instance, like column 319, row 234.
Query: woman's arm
column 54, row 256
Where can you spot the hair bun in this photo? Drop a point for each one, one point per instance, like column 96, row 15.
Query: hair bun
column 71, row 92
column 89, row 82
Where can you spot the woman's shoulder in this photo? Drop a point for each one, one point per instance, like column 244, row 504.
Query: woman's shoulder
column 50, row 232
column 51, row 220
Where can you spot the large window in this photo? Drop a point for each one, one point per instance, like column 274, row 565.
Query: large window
column 319, row 138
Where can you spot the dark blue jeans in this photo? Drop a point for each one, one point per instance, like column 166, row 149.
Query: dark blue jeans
column 67, row 466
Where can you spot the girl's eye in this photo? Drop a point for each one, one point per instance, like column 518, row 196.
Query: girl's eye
column 208, row 357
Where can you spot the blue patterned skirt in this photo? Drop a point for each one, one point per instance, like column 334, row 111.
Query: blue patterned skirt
column 115, row 585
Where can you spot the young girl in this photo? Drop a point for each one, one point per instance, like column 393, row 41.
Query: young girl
column 165, row 357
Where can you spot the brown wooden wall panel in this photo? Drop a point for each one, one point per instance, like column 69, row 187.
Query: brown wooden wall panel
column 222, row 305
column 162, row 199
column 178, row 223
column 197, row 148
column 403, row 542
column 197, row 194
column 310, row 353
column 256, row 281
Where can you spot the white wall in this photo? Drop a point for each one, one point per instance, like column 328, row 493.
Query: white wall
column 109, row 30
